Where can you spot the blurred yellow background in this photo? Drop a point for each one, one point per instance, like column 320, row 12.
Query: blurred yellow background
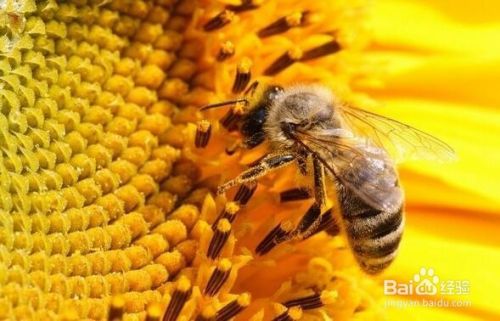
column 441, row 73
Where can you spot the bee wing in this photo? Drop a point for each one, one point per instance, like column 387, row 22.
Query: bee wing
column 365, row 170
column 400, row 140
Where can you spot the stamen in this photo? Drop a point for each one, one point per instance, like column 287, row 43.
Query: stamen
column 179, row 297
column 219, row 20
column 308, row 219
column 251, row 89
column 233, row 116
column 245, row 192
column 116, row 308
column 224, row 103
column 203, row 132
column 218, row 278
column 229, row 213
column 283, row 24
column 314, row 301
column 221, row 234
column 284, row 61
column 245, row 5
column 294, row 194
column 243, row 76
column 226, row 50
column 233, row 308
column 274, row 237
column 292, row 314
column 323, row 50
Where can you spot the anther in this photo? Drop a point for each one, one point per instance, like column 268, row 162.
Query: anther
column 231, row 309
column 233, row 116
column 251, row 89
column 221, row 234
column 203, row 132
column 323, row 50
column 218, row 278
column 229, row 213
column 154, row 312
column 226, row 50
column 284, row 61
column 292, row 314
column 295, row 194
column 327, row 223
column 284, row 24
column 245, row 5
column 308, row 219
column 313, row 301
column 181, row 294
column 243, row 75
column 219, row 20
column 116, row 308
column 245, row 192
column 208, row 314
column 274, row 237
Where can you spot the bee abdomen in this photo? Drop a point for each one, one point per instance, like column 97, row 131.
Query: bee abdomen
column 374, row 237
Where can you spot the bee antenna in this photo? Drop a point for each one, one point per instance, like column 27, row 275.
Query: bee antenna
column 225, row 103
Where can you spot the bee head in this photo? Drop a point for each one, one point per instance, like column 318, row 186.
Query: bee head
column 254, row 119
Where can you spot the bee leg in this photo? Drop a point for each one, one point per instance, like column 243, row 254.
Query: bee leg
column 312, row 219
column 300, row 193
column 319, row 182
column 269, row 163
column 326, row 222
column 302, row 159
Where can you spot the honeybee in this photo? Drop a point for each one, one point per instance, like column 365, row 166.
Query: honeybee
column 342, row 147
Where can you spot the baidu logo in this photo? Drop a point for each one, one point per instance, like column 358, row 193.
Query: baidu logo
column 426, row 283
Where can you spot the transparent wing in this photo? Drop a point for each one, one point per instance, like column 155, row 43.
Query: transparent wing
column 365, row 170
column 400, row 140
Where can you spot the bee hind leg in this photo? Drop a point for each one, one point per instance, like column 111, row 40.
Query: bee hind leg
column 269, row 163
column 312, row 223
column 326, row 222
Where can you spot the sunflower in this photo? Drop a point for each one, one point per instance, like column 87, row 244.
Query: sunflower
column 107, row 203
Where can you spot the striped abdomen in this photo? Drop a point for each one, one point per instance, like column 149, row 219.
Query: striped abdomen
column 373, row 235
